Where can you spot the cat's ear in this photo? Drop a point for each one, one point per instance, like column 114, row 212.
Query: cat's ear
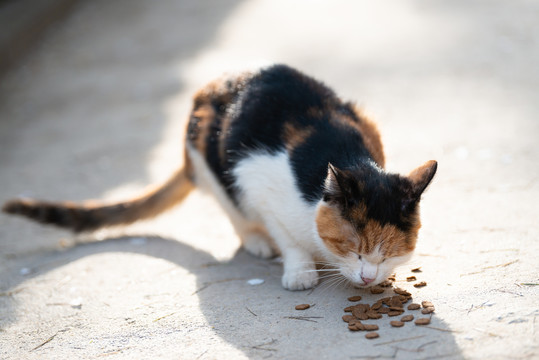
column 421, row 178
column 335, row 184
column 331, row 184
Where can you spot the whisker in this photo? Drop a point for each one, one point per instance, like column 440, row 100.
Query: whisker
column 329, row 276
column 331, row 283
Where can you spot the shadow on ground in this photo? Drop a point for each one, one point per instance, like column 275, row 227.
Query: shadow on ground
column 260, row 320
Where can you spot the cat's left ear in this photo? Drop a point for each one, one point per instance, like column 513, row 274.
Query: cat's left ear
column 421, row 178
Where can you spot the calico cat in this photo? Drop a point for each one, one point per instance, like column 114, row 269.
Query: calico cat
column 299, row 172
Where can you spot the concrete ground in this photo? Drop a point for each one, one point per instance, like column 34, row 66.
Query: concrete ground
column 97, row 111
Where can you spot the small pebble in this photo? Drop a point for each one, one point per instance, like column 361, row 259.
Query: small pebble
column 414, row 307
column 302, row 306
column 255, row 281
column 396, row 323
column 354, row 298
column 372, row 335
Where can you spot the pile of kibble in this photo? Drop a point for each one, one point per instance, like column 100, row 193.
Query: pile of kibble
column 392, row 306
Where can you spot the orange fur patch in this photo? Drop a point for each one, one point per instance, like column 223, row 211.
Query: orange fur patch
column 295, row 136
column 392, row 241
column 204, row 115
column 207, row 110
column 370, row 134
column 336, row 232
column 341, row 238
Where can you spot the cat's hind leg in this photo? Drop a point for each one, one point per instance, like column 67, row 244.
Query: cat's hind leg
column 252, row 234
column 256, row 241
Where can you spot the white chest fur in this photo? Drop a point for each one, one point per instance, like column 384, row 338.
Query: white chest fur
column 269, row 194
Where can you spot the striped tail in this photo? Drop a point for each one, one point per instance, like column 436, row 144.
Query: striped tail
column 88, row 217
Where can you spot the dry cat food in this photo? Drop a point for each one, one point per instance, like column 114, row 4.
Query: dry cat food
column 386, row 283
column 372, row 335
column 391, row 306
column 422, row 321
column 356, row 326
column 370, row 327
column 407, row 318
column 401, row 292
column 302, row 306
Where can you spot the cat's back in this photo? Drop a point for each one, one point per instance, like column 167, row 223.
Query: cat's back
column 279, row 109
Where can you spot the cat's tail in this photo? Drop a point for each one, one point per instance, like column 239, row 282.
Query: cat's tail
column 87, row 216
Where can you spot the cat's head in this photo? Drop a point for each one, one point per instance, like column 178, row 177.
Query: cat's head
column 368, row 220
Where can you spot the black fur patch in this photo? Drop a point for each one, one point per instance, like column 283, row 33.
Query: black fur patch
column 274, row 97
column 280, row 95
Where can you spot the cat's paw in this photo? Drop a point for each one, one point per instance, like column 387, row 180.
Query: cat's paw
column 299, row 279
column 257, row 245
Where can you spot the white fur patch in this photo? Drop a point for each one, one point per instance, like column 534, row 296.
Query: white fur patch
column 206, row 181
column 269, row 194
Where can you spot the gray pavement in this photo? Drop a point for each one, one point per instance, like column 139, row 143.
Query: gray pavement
column 97, row 111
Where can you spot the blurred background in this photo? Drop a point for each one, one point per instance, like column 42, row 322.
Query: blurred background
column 99, row 91
column 94, row 96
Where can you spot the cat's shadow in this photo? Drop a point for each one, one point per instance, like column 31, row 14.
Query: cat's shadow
column 261, row 320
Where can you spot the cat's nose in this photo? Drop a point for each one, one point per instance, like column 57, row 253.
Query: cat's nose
column 367, row 280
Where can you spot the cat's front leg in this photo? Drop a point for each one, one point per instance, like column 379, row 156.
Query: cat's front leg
column 299, row 269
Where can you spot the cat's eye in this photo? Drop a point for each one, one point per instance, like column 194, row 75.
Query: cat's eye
column 384, row 259
column 359, row 257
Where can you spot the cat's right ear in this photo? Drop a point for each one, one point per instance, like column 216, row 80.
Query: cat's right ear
column 333, row 185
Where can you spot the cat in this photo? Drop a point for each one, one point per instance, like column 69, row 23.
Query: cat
column 299, row 172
